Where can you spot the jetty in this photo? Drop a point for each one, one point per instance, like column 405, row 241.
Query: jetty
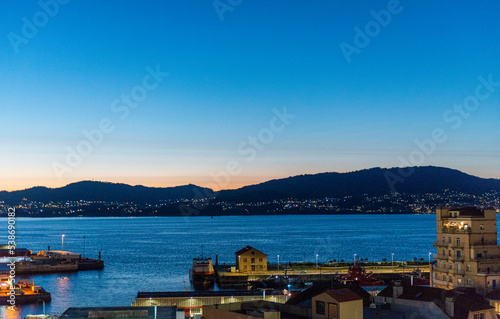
column 56, row 261
column 25, row 291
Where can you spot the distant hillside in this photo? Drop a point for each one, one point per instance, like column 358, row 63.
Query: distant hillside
column 374, row 181
column 102, row 191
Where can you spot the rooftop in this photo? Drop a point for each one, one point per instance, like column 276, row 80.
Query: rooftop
column 343, row 295
column 247, row 248
column 119, row 312
column 197, row 294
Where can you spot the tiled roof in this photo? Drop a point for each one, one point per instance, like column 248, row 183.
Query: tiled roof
column 343, row 295
column 247, row 248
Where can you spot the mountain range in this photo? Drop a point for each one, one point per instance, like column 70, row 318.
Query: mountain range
column 372, row 182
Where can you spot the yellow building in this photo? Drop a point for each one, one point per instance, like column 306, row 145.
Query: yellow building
column 337, row 304
column 251, row 260
column 467, row 251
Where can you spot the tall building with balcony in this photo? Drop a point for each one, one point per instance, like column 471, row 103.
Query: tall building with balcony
column 468, row 254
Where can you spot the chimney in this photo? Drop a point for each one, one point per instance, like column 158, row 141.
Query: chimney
column 450, row 307
column 397, row 289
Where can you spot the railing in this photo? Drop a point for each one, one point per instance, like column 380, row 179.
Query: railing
column 457, row 271
column 439, row 244
column 485, row 243
column 456, row 230
column 441, row 269
column 458, row 259
column 448, row 245
column 492, row 257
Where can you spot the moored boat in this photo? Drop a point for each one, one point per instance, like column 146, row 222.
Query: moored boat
column 357, row 274
column 202, row 274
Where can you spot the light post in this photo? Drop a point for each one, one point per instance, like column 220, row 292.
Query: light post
column 354, row 258
column 43, row 306
column 239, row 263
column 429, row 259
column 392, row 258
column 153, row 304
column 278, row 262
column 62, row 242
column 316, row 261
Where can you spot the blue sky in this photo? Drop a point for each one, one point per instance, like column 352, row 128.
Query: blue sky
column 225, row 78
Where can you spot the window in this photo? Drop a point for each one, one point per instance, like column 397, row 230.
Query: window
column 253, row 261
column 244, row 260
column 444, row 277
column 479, row 316
column 332, row 311
column 261, row 259
column 444, row 265
column 245, row 267
column 459, row 254
column 253, row 267
column 459, row 281
column 261, row 267
column 449, row 240
column 469, row 282
column 482, row 240
column 451, row 266
column 320, row 308
column 444, row 240
column 481, row 227
column 451, row 279
column 468, row 267
column 449, row 253
column 444, row 252
column 458, row 242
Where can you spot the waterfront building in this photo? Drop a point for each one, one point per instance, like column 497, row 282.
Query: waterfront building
column 123, row 312
column 193, row 301
column 467, row 251
column 251, row 260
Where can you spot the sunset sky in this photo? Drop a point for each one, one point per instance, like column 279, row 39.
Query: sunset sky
column 228, row 93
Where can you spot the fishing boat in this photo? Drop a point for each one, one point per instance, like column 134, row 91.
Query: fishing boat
column 202, row 275
column 357, row 274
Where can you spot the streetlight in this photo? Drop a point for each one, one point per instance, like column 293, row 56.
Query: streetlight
column 316, row 261
column 392, row 262
column 151, row 303
column 239, row 259
column 62, row 243
column 278, row 262
column 354, row 258
column 43, row 306
column 429, row 259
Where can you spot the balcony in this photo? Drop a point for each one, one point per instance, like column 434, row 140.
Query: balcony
column 457, row 272
column 453, row 245
column 485, row 243
column 455, row 230
column 441, row 269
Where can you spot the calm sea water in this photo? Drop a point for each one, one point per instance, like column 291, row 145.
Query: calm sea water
column 155, row 254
